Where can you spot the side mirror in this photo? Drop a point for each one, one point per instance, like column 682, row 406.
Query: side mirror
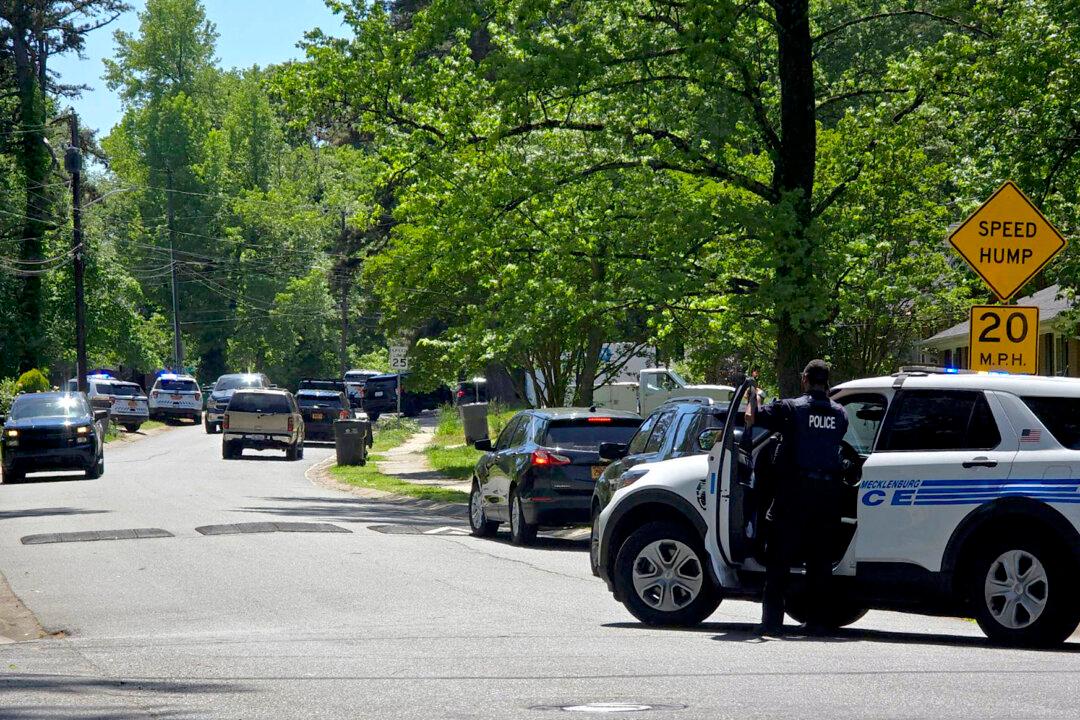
column 708, row 438
column 100, row 415
column 483, row 445
column 613, row 450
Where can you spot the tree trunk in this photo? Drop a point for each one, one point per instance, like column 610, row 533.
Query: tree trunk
column 594, row 343
column 795, row 165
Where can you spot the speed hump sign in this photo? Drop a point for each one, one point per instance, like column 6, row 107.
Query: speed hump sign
column 1005, row 337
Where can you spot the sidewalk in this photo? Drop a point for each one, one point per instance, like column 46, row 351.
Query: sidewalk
column 408, row 463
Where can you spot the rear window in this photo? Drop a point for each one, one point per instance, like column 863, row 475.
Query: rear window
column 313, row 400
column 259, row 403
column 118, row 390
column 1061, row 416
column 587, row 433
column 178, row 385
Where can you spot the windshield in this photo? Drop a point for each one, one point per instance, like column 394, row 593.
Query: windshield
column 232, row 382
column 42, row 406
column 587, row 433
column 177, row 385
column 118, row 389
column 259, row 403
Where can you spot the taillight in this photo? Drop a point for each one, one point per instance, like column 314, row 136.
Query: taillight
column 225, row 422
column 198, row 396
column 154, row 394
column 343, row 415
column 546, row 458
column 291, row 421
column 461, row 393
column 363, row 392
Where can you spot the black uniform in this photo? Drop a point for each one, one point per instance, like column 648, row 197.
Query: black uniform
column 805, row 512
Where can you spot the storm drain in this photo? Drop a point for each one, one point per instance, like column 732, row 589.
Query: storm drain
column 608, row 708
column 419, row 530
column 270, row 527
column 94, row 535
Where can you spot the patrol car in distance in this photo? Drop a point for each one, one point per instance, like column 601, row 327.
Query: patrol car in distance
column 126, row 401
column 175, row 396
column 963, row 499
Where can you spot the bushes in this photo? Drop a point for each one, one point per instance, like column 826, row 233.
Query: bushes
column 33, row 381
column 9, row 388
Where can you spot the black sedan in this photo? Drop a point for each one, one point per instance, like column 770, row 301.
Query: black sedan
column 321, row 408
column 542, row 469
column 52, row 431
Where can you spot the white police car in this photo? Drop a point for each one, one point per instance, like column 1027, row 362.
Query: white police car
column 967, row 503
column 126, row 401
column 175, row 396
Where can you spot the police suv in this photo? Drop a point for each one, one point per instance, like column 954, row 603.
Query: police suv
column 175, row 396
column 961, row 497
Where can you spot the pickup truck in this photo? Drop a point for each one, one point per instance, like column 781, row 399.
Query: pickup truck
column 654, row 387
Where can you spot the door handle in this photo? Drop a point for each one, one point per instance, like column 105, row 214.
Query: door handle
column 980, row 462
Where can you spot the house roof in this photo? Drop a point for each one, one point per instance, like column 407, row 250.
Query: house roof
column 1047, row 300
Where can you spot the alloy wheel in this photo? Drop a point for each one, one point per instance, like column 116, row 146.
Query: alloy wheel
column 667, row 575
column 476, row 510
column 1016, row 589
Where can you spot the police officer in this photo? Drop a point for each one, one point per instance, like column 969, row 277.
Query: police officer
column 805, row 511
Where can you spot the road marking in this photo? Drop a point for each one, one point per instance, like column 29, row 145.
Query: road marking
column 447, row 530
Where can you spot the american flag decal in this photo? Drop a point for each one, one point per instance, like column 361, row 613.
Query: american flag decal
column 1030, row 436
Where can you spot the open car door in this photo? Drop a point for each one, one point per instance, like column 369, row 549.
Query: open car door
column 731, row 481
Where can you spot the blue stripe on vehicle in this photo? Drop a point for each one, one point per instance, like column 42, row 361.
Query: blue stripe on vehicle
column 1000, row 481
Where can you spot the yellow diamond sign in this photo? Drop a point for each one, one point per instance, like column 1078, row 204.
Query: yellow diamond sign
column 1007, row 241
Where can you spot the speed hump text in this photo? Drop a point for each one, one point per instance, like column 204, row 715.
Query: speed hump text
column 1005, row 338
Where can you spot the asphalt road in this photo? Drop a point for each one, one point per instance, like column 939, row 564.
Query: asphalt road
column 372, row 624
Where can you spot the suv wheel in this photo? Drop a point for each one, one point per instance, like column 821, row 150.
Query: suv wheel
column 229, row 450
column 1023, row 593
column 521, row 532
column 660, row 576
column 838, row 612
column 13, row 476
column 478, row 522
column 97, row 469
column 594, row 543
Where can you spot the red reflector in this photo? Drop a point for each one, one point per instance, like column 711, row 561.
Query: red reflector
column 225, row 422
column 461, row 393
column 599, row 419
column 344, row 414
column 290, row 425
column 547, row 458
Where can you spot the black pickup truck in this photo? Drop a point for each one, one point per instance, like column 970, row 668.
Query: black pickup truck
column 380, row 396
column 350, row 389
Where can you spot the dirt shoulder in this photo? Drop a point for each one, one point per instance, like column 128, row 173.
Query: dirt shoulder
column 17, row 623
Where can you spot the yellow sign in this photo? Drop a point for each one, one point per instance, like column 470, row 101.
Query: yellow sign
column 1007, row 241
column 1005, row 337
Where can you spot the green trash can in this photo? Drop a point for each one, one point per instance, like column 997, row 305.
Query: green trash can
column 351, row 441
column 474, row 420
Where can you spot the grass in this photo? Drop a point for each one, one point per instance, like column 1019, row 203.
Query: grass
column 389, row 433
column 114, row 432
column 449, row 454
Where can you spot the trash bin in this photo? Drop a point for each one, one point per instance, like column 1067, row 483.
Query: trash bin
column 351, row 441
column 474, row 419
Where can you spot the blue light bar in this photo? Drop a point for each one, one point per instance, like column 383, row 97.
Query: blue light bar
column 952, row 370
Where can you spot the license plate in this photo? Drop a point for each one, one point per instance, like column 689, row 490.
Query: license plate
column 174, row 397
column 316, row 416
column 378, row 393
column 131, row 404
column 597, row 471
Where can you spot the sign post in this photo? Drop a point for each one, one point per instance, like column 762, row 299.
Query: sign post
column 399, row 363
column 1005, row 338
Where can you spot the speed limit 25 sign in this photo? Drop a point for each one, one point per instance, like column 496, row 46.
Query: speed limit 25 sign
column 1005, row 337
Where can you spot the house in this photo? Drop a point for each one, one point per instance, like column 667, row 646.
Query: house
column 1059, row 353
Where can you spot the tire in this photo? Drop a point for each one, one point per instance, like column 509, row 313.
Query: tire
column 521, row 532
column 13, row 476
column 96, row 470
column 209, row 427
column 229, row 450
column 594, row 543
column 290, row 453
column 133, row 427
column 839, row 613
column 1047, row 610
column 684, row 600
column 478, row 522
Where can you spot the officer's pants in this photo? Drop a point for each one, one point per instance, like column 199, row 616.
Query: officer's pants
column 803, row 531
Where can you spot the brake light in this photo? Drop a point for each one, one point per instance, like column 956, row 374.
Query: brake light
column 154, row 394
column 461, row 393
column 599, row 419
column 291, row 421
column 225, row 422
column 343, row 415
column 546, row 458
column 198, row 395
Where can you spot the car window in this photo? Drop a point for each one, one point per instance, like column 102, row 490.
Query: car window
column 588, row 432
column 511, row 427
column 691, row 426
column 940, row 420
column 117, row 389
column 637, row 443
column 232, row 382
column 659, row 433
column 260, row 403
column 177, row 385
column 1061, row 416
column 42, row 406
column 865, row 413
column 520, row 432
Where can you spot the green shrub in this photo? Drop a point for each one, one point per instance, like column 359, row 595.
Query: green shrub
column 33, row 381
column 9, row 388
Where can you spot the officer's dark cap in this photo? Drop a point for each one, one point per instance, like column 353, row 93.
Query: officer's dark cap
column 817, row 372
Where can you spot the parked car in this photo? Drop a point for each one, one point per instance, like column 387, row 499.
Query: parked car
column 223, row 391
column 359, row 377
column 321, row 408
column 471, row 391
column 353, row 391
column 380, row 396
column 175, row 396
column 542, row 469
column 653, row 387
column 671, row 431
column 126, row 402
column 963, row 488
column 262, row 419
column 52, row 431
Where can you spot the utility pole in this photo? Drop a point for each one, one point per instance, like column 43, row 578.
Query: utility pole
column 73, row 164
column 343, row 353
column 178, row 348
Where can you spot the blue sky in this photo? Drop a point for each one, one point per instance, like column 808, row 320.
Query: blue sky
column 250, row 32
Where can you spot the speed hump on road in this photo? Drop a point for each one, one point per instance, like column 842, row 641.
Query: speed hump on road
column 1007, row 241
column 1005, row 338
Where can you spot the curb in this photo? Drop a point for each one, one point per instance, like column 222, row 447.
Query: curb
column 319, row 475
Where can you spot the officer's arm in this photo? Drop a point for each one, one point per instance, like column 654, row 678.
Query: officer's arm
column 770, row 417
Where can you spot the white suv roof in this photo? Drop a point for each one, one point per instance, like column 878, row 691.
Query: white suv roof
column 1016, row 384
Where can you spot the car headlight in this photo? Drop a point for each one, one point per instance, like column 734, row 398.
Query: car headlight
column 12, row 433
column 627, row 478
column 82, row 430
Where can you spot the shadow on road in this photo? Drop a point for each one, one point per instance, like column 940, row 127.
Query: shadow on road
column 355, row 510
column 742, row 632
column 98, row 697
column 47, row 512
column 76, row 476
